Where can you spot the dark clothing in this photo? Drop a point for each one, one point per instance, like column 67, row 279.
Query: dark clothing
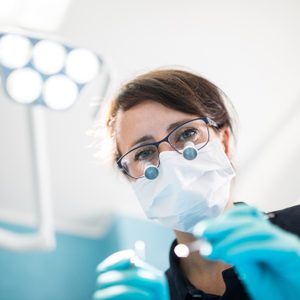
column 181, row 289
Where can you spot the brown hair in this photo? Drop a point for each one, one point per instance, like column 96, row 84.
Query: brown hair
column 177, row 89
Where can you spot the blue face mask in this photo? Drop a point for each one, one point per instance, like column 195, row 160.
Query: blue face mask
column 186, row 192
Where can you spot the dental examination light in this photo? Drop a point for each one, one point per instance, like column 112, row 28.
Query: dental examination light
column 43, row 73
column 37, row 70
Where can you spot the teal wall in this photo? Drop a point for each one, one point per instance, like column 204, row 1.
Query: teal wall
column 68, row 273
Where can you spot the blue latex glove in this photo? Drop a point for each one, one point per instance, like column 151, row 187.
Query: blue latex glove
column 266, row 258
column 123, row 275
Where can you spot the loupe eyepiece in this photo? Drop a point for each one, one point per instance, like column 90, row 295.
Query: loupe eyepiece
column 151, row 172
column 189, row 152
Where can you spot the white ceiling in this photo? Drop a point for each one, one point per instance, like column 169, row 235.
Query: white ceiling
column 250, row 49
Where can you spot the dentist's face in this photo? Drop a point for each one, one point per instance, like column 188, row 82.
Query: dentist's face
column 150, row 122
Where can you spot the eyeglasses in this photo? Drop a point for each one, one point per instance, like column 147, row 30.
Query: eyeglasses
column 195, row 131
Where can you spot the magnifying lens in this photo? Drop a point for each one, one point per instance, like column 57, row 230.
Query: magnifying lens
column 190, row 152
column 151, row 172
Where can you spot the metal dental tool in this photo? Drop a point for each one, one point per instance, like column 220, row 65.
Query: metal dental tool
column 202, row 246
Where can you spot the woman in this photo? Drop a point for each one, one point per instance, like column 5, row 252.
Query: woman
column 172, row 134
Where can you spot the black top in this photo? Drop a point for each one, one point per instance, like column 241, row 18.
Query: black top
column 181, row 289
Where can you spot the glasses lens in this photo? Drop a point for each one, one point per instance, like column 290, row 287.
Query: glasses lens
column 195, row 131
column 135, row 161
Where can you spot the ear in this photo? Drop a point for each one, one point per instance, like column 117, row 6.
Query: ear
column 225, row 136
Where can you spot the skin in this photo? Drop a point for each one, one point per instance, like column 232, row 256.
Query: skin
column 152, row 119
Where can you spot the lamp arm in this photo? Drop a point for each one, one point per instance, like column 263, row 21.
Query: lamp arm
column 44, row 238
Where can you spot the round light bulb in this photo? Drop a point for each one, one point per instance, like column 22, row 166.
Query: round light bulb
column 24, row 85
column 15, row 51
column 60, row 92
column 49, row 57
column 82, row 65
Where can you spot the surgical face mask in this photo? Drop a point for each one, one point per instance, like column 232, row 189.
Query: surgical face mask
column 187, row 191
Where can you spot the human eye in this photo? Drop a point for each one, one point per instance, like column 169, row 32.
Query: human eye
column 186, row 135
column 144, row 154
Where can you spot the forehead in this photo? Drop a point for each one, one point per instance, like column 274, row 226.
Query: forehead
column 147, row 118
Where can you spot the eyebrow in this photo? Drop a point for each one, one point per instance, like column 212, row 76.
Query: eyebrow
column 148, row 138
column 175, row 124
column 143, row 139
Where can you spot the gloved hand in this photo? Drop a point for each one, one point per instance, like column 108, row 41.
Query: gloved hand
column 123, row 275
column 266, row 258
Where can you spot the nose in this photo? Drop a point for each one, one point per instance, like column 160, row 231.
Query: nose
column 165, row 146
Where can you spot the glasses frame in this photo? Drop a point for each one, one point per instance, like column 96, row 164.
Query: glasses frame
column 207, row 121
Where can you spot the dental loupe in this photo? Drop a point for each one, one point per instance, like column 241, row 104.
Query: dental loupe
column 189, row 152
column 151, row 172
